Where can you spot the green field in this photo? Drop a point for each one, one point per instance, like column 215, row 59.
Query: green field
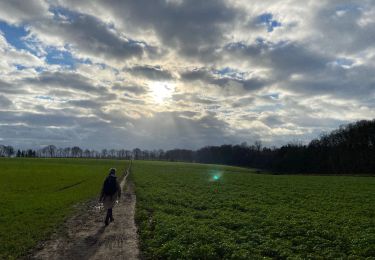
column 184, row 211
column 191, row 211
column 37, row 194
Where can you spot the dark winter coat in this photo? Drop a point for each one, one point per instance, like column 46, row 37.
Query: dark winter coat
column 109, row 201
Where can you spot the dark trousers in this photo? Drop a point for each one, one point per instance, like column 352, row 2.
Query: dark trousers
column 109, row 216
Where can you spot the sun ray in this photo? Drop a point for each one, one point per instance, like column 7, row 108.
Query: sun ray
column 161, row 91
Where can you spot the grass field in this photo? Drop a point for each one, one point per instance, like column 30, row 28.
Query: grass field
column 193, row 211
column 36, row 195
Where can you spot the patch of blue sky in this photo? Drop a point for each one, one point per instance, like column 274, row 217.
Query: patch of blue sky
column 273, row 96
column 267, row 20
column 348, row 7
column 342, row 62
column 47, row 98
column 18, row 37
column 229, row 72
column 40, row 69
column 64, row 58
column 60, row 57
column 14, row 35
column 225, row 71
column 20, row 67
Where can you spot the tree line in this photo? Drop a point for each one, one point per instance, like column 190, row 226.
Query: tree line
column 347, row 150
column 51, row 151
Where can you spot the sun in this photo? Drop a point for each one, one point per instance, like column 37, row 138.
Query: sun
column 161, row 91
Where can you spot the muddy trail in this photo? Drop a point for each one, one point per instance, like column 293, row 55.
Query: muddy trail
column 84, row 236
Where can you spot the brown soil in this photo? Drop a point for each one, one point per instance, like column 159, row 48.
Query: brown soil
column 84, row 236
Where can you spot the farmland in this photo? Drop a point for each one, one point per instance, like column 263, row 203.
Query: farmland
column 191, row 211
column 209, row 212
column 37, row 194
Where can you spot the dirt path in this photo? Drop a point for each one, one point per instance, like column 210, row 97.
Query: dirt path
column 84, row 236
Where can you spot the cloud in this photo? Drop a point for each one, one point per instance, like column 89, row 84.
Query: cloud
column 176, row 131
column 65, row 80
column 5, row 102
column 284, row 58
column 194, row 99
column 12, row 57
column 349, row 25
column 88, row 72
column 180, row 130
column 85, row 103
column 267, row 20
column 214, row 77
column 136, row 90
column 192, row 27
column 18, row 11
column 150, row 72
column 89, row 36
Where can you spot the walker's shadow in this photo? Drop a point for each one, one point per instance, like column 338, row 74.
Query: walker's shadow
column 85, row 247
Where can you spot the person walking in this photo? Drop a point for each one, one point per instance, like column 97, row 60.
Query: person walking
column 111, row 192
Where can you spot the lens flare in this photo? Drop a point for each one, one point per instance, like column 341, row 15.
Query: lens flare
column 215, row 175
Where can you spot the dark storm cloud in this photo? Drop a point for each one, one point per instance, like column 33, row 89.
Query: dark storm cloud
column 67, row 80
column 150, row 72
column 90, row 35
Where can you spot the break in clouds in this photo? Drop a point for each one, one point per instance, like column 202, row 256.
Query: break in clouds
column 179, row 73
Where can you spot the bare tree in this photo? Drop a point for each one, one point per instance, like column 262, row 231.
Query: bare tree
column 76, row 151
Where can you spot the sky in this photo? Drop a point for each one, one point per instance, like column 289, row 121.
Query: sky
column 182, row 73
